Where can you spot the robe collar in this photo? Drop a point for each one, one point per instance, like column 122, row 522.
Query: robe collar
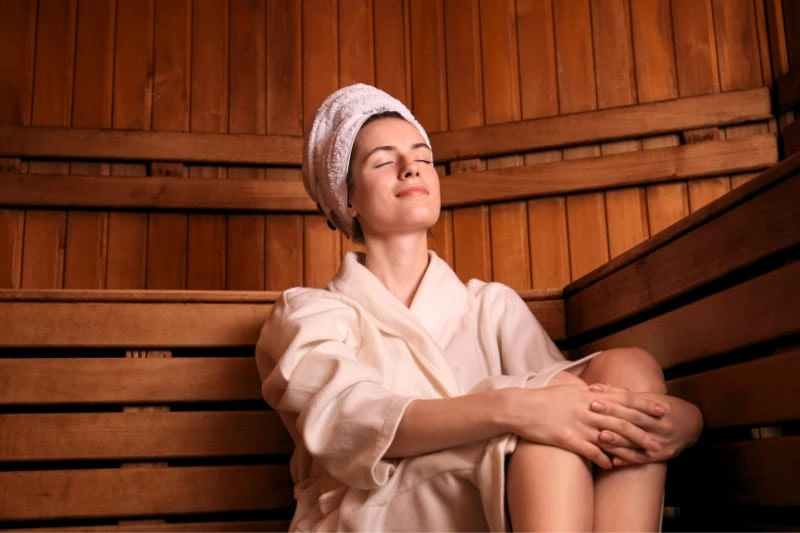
column 427, row 325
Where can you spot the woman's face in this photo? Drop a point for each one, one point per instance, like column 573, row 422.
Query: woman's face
column 395, row 187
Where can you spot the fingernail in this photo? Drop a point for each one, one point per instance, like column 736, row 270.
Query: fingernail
column 660, row 410
column 597, row 406
column 595, row 387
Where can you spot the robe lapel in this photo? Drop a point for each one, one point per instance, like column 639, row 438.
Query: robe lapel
column 394, row 318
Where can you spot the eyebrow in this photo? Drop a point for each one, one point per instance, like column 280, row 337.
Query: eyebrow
column 392, row 148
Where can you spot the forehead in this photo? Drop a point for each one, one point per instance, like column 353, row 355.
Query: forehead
column 388, row 131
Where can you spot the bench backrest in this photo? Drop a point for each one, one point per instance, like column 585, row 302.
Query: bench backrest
column 142, row 410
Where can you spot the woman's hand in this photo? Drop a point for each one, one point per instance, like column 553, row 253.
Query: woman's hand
column 560, row 415
column 675, row 429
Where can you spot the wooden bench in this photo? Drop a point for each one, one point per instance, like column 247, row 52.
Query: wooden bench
column 716, row 299
column 141, row 410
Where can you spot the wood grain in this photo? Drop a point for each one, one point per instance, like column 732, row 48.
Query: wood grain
column 761, row 392
column 142, row 491
column 727, row 240
column 141, row 435
column 757, row 310
column 428, row 83
column 91, row 380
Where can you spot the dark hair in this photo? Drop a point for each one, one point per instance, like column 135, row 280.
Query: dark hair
column 358, row 235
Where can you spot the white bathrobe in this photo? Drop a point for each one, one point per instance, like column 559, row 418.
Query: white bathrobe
column 341, row 365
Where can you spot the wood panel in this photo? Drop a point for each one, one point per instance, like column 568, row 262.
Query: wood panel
column 755, row 393
column 90, row 380
column 737, row 35
column 392, row 54
column 18, row 28
column 356, row 42
column 428, row 80
column 284, row 232
column 141, row 435
column 86, row 232
column 321, row 246
column 148, row 525
column 245, row 260
column 758, row 472
column 167, row 232
column 132, row 106
column 142, row 491
column 758, row 310
column 45, row 231
column 728, row 236
column 206, row 266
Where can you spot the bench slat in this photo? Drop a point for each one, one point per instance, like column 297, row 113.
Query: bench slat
column 144, row 324
column 141, row 435
column 760, row 392
column 131, row 492
column 757, row 310
column 127, row 380
column 757, row 472
column 716, row 244
column 243, row 526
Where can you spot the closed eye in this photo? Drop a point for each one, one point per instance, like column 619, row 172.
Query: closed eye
column 383, row 164
column 426, row 161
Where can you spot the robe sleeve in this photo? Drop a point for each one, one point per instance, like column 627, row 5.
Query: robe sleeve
column 524, row 346
column 307, row 358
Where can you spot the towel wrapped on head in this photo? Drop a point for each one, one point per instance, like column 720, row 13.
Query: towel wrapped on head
column 326, row 155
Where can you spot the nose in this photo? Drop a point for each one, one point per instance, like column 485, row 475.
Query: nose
column 411, row 170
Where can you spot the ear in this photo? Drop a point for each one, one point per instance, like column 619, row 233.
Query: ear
column 351, row 211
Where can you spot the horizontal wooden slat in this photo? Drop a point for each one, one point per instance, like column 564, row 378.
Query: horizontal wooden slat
column 610, row 171
column 757, row 472
column 754, row 393
column 141, row 435
column 756, row 310
column 73, row 143
column 604, row 125
column 558, row 177
column 232, row 526
column 787, row 90
column 135, row 325
column 165, row 319
column 144, row 491
column 75, row 380
column 710, row 248
column 196, row 194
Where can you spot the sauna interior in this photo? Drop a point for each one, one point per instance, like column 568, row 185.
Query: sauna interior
column 628, row 166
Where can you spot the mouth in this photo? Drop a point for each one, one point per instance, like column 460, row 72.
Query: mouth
column 412, row 191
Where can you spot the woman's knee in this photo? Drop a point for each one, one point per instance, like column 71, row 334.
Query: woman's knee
column 632, row 368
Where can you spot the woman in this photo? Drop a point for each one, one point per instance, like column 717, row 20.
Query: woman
column 417, row 402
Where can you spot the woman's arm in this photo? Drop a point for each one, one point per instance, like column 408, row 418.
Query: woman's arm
column 555, row 415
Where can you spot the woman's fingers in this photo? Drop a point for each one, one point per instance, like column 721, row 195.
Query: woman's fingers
column 633, row 400
column 637, row 436
column 634, row 416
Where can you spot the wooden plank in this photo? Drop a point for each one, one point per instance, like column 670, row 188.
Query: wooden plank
column 147, row 526
column 440, row 237
column 429, row 83
column 737, row 44
column 537, row 58
column 206, row 265
column 757, row 472
column 283, row 233
column 18, row 28
column 44, row 238
column 666, row 203
column 133, row 296
column 610, row 171
column 392, row 54
column 167, row 232
column 550, row 314
column 462, row 23
column 140, row 325
column 133, row 98
column 787, row 91
column 137, row 145
column 791, row 139
column 761, row 392
column 511, row 263
column 754, row 311
column 128, row 492
column 86, row 232
column 321, row 252
column 356, row 42
column 779, row 55
column 245, row 258
column 76, row 380
column 141, row 435
column 472, row 253
column 729, row 240
column 626, row 208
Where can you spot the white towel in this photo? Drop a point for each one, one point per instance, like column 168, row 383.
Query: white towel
column 326, row 155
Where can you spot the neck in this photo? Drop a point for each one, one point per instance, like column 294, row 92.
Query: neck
column 398, row 262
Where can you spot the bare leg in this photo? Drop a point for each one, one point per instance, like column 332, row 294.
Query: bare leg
column 549, row 489
column 628, row 498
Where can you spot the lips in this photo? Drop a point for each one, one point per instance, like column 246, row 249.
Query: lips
column 417, row 190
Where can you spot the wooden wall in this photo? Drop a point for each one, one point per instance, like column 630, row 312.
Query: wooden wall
column 262, row 66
